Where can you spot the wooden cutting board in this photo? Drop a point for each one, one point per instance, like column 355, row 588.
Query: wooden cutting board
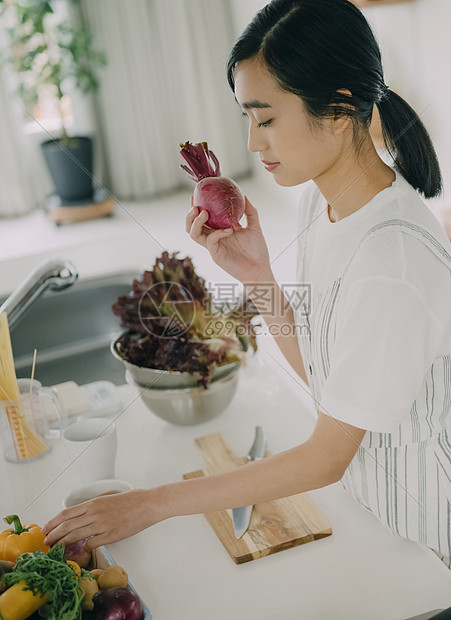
column 275, row 526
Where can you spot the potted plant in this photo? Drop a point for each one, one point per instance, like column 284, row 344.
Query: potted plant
column 48, row 50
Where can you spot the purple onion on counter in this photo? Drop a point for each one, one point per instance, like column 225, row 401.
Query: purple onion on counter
column 117, row 604
column 77, row 553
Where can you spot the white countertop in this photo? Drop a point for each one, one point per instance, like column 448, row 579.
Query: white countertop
column 180, row 568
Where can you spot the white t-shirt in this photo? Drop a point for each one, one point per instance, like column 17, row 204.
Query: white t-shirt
column 376, row 344
column 392, row 317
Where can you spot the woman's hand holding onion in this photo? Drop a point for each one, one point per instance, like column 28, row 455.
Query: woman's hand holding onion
column 242, row 253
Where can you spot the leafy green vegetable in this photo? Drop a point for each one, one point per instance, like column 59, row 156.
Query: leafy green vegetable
column 174, row 324
column 49, row 573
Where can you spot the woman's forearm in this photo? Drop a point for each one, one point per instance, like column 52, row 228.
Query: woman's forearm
column 277, row 312
column 294, row 471
column 103, row 520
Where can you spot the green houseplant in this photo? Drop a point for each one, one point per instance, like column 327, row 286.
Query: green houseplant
column 48, row 50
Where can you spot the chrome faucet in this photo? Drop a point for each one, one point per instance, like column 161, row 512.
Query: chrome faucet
column 54, row 274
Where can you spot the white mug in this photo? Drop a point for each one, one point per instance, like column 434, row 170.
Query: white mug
column 91, row 445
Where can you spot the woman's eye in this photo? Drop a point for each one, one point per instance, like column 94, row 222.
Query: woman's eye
column 265, row 124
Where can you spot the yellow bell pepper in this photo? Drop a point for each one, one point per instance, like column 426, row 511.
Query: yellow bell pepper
column 16, row 603
column 22, row 599
column 75, row 567
column 21, row 539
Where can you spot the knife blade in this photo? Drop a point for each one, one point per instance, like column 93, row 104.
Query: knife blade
column 242, row 515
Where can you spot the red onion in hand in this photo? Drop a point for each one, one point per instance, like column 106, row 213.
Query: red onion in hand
column 218, row 195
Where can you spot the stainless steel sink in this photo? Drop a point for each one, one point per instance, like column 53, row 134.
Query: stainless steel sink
column 72, row 331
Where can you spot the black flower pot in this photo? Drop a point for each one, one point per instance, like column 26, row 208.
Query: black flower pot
column 71, row 167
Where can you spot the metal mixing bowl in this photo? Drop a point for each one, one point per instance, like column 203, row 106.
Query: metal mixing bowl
column 168, row 379
column 188, row 406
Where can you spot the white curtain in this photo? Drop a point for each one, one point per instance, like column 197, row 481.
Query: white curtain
column 165, row 83
column 25, row 181
column 17, row 188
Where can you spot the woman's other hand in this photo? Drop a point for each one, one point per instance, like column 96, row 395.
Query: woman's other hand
column 242, row 253
column 104, row 520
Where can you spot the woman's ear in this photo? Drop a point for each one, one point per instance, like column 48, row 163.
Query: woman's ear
column 341, row 121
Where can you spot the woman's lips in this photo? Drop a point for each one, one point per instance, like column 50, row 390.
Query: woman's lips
column 270, row 165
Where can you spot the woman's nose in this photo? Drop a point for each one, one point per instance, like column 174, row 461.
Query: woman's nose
column 255, row 141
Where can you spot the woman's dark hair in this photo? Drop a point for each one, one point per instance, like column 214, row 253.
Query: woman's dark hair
column 315, row 48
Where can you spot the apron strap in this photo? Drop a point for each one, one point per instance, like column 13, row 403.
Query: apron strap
column 306, row 231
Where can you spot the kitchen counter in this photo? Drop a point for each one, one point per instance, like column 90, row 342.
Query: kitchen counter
column 180, row 568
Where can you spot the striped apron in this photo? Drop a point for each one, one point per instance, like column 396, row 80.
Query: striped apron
column 403, row 478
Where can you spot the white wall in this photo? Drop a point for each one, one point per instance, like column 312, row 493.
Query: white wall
column 416, row 50
column 243, row 12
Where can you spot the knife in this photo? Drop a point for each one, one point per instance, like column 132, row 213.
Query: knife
column 242, row 516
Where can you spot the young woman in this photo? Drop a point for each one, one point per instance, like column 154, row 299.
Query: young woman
column 375, row 345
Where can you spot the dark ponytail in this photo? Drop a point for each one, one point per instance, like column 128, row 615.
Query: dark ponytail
column 316, row 48
column 409, row 145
